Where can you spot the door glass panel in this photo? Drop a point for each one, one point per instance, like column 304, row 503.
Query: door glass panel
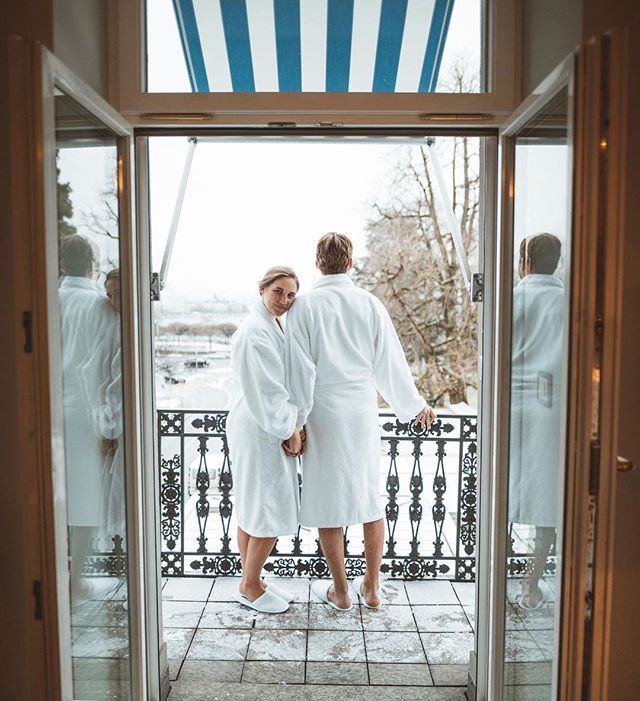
column 89, row 299
column 541, row 253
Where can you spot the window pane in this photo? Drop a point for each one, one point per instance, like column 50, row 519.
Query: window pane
column 89, row 303
column 335, row 46
column 541, row 248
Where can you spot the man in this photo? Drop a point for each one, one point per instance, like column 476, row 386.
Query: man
column 536, row 378
column 82, row 306
column 340, row 349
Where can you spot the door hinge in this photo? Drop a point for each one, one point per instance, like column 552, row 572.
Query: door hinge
column 37, row 595
column 155, row 287
column 477, row 287
column 26, row 325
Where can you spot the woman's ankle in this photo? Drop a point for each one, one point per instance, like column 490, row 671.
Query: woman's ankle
column 253, row 589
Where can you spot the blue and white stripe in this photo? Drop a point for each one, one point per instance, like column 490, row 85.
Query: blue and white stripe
column 313, row 45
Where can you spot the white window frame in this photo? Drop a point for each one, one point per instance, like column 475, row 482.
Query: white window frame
column 502, row 63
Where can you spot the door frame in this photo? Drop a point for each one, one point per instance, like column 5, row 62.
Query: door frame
column 486, row 339
column 50, row 73
column 563, row 76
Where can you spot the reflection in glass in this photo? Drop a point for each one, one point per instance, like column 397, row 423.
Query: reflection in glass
column 89, row 298
column 536, row 459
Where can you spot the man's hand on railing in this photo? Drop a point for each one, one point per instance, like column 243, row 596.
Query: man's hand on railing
column 426, row 417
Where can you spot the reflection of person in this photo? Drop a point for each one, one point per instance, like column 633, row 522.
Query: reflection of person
column 537, row 341
column 81, row 304
column 107, row 406
column 340, row 347
column 261, row 418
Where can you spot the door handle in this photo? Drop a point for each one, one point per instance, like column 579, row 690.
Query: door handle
column 624, row 465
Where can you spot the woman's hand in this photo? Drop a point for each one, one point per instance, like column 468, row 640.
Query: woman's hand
column 293, row 445
column 109, row 446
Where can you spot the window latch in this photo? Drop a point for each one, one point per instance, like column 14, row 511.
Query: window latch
column 154, row 286
column 477, row 287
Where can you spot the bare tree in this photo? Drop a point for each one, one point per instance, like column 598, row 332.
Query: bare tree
column 412, row 267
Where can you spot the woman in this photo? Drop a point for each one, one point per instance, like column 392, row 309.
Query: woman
column 260, row 420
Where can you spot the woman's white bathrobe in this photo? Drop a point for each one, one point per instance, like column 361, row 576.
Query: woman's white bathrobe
column 106, row 415
column 265, row 480
column 82, row 307
column 536, row 394
column 341, row 347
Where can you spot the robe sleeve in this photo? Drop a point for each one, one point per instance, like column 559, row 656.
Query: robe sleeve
column 261, row 375
column 391, row 371
column 100, row 374
column 300, row 368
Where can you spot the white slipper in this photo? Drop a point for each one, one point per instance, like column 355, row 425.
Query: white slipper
column 267, row 603
column 280, row 591
column 321, row 589
column 357, row 588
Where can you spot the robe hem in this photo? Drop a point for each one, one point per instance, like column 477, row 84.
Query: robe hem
column 258, row 534
column 366, row 518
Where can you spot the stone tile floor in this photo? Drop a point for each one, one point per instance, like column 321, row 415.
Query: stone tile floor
column 417, row 646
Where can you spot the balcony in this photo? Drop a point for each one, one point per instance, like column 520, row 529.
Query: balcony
column 417, row 646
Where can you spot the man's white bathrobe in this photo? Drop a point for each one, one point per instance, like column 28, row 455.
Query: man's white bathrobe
column 536, row 393
column 265, row 480
column 340, row 348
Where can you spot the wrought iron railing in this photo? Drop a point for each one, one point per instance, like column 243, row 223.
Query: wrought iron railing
column 429, row 478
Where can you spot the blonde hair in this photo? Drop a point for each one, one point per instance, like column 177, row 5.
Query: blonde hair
column 115, row 273
column 276, row 273
column 333, row 253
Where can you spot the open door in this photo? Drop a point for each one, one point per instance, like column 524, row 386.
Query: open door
column 88, row 294
column 526, row 369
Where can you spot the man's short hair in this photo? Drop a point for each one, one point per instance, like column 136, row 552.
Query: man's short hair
column 76, row 256
column 333, row 253
column 541, row 252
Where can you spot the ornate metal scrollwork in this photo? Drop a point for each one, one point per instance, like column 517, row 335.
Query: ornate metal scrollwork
column 405, row 479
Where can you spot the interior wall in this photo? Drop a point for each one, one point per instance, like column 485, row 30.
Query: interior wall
column 22, row 675
column 80, row 39
column 624, row 672
column 550, row 31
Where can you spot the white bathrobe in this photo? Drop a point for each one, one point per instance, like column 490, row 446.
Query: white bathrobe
column 265, row 480
column 82, row 307
column 536, row 392
column 106, row 415
column 341, row 347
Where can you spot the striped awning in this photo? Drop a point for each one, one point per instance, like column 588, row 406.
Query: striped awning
column 313, row 45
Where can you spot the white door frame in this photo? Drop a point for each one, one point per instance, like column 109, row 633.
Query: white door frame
column 562, row 77
column 51, row 74
column 486, row 265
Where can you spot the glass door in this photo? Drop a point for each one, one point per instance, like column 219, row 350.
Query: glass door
column 92, row 376
column 531, row 356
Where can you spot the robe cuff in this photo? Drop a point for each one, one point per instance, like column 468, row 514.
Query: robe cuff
column 412, row 411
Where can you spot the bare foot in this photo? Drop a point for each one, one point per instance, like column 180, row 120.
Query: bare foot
column 342, row 602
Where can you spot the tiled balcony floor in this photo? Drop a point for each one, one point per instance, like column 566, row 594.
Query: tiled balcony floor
column 417, row 646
